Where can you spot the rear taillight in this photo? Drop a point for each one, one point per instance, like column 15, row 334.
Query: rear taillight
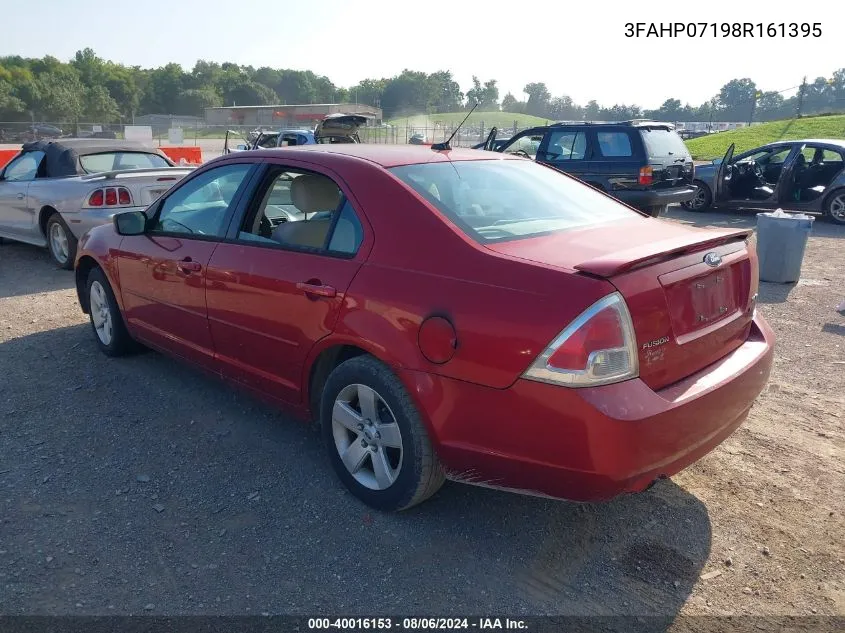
column 110, row 197
column 597, row 348
column 96, row 198
column 646, row 175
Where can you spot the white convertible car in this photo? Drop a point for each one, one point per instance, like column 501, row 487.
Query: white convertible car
column 54, row 191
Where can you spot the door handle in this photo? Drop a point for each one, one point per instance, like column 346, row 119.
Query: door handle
column 21, row 196
column 317, row 289
column 187, row 265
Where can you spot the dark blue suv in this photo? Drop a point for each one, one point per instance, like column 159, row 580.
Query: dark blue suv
column 644, row 164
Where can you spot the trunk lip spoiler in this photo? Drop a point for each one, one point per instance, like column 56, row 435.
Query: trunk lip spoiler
column 115, row 173
column 638, row 256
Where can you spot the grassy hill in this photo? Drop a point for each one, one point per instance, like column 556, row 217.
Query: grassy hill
column 715, row 145
column 499, row 119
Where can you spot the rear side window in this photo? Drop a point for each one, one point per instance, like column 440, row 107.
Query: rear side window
column 108, row 161
column 614, row 144
column 663, row 142
column 500, row 200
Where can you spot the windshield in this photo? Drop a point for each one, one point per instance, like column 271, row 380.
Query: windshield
column 661, row 142
column 110, row 161
column 498, row 200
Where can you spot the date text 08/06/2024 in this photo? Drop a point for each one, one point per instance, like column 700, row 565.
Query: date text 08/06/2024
column 723, row 29
column 416, row 624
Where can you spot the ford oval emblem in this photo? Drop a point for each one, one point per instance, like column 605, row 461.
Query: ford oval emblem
column 713, row 259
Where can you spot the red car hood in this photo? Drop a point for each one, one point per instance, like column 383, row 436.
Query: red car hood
column 609, row 249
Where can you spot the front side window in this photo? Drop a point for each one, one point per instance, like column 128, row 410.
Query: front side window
column 498, row 200
column 200, row 207
column 565, row 145
column 24, row 168
column 614, row 144
column 109, row 161
column 527, row 144
column 303, row 210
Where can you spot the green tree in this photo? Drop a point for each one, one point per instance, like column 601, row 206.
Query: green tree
column 99, row 106
column 538, row 99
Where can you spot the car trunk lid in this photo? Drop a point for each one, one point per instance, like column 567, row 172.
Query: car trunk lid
column 339, row 126
column 690, row 292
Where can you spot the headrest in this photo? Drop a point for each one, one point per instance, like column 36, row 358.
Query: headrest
column 311, row 193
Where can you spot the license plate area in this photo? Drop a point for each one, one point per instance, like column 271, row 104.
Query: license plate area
column 700, row 297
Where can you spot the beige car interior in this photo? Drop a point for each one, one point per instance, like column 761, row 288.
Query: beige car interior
column 318, row 199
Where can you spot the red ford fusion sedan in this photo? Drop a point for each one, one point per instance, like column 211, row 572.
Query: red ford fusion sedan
column 443, row 315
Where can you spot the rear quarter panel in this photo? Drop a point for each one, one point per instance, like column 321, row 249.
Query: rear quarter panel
column 505, row 311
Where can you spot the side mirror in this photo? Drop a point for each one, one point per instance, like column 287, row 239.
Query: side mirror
column 130, row 223
column 242, row 147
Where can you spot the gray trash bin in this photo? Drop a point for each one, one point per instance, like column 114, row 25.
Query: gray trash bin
column 781, row 242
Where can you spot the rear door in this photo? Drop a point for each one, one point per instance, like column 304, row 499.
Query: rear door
column 16, row 216
column 723, row 175
column 278, row 283
column 163, row 273
column 616, row 158
column 788, row 183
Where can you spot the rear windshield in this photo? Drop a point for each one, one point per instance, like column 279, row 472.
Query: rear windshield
column 662, row 142
column 499, row 200
column 108, row 161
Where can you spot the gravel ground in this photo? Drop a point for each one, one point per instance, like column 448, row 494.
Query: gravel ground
column 141, row 486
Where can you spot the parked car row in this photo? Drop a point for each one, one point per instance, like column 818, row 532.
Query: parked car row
column 446, row 314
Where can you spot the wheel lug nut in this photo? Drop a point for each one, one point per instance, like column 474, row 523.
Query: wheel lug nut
column 364, row 443
column 360, row 427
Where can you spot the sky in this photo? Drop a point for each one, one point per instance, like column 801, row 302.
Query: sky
column 577, row 48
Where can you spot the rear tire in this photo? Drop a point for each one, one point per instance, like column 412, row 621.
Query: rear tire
column 703, row 199
column 834, row 206
column 656, row 211
column 375, row 437
column 61, row 242
column 106, row 319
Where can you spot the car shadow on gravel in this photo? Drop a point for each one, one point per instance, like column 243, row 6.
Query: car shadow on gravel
column 139, row 485
column 27, row 269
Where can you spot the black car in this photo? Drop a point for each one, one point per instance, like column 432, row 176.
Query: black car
column 644, row 164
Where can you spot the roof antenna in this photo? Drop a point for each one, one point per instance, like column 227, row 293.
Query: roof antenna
column 445, row 144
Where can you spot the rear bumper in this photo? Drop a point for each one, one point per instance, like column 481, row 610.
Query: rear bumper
column 87, row 219
column 590, row 444
column 656, row 197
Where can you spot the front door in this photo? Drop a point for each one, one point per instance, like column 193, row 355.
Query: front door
column 278, row 284
column 163, row 272
column 16, row 217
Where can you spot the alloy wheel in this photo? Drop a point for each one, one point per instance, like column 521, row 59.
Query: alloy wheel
column 59, row 242
column 367, row 437
column 700, row 198
column 837, row 208
column 101, row 314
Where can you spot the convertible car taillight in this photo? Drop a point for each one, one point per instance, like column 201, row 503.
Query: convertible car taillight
column 597, row 348
column 110, row 197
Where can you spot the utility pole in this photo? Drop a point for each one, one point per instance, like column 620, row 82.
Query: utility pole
column 801, row 91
